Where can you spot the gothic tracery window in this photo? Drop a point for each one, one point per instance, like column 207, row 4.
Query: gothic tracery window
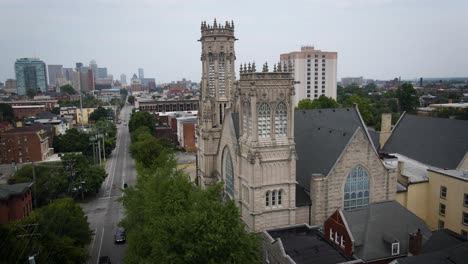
column 281, row 120
column 264, row 119
column 211, row 73
column 229, row 176
column 357, row 189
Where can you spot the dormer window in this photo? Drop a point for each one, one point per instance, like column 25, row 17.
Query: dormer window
column 395, row 248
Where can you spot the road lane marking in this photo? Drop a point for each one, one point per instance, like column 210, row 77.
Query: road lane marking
column 100, row 246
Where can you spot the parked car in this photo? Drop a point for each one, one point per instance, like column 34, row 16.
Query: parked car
column 104, row 260
column 120, row 236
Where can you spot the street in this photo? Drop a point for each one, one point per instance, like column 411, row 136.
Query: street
column 104, row 212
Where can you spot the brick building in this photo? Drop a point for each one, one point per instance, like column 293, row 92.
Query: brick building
column 166, row 105
column 21, row 111
column 24, row 144
column 48, row 104
column 15, row 201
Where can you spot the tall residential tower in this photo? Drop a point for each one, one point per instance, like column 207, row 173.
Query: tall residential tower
column 30, row 75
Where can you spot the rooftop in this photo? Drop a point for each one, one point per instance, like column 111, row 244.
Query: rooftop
column 306, row 244
column 7, row 190
column 459, row 174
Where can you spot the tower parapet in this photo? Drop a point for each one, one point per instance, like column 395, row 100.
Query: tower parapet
column 226, row 29
column 280, row 71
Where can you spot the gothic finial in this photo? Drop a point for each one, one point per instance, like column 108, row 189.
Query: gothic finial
column 227, row 24
column 285, row 67
column 290, row 66
column 265, row 67
column 274, row 67
column 240, row 70
column 250, row 68
column 245, row 68
column 215, row 25
column 279, row 67
column 201, row 27
column 253, row 67
column 232, row 24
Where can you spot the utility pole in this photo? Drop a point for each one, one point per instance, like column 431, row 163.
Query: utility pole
column 104, row 145
column 99, row 150
column 81, row 110
column 35, row 188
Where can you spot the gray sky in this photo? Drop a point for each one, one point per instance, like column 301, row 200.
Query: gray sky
column 374, row 38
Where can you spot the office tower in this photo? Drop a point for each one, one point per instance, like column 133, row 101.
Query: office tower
column 315, row 70
column 101, row 73
column 68, row 74
column 78, row 66
column 55, row 72
column 30, row 76
column 123, row 79
column 94, row 67
column 141, row 73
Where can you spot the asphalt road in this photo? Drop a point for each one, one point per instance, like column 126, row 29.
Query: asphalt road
column 104, row 212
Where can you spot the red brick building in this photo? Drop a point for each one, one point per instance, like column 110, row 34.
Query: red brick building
column 5, row 126
column 21, row 111
column 15, row 201
column 24, row 144
column 48, row 104
column 189, row 137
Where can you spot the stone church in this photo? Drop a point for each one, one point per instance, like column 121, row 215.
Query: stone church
column 281, row 166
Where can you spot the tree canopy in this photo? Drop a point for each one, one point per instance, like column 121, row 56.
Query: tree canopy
column 407, row 97
column 131, row 99
column 101, row 113
column 67, row 89
column 364, row 107
column 6, row 113
column 320, row 103
column 141, row 119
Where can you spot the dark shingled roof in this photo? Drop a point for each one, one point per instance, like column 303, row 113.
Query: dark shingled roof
column 321, row 136
column 375, row 136
column 235, row 120
column 375, row 225
column 437, row 142
column 307, row 245
column 457, row 254
column 442, row 239
column 7, row 190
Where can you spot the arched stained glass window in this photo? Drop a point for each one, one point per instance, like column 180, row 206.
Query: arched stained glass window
column 264, row 119
column 356, row 190
column 281, row 120
column 229, row 175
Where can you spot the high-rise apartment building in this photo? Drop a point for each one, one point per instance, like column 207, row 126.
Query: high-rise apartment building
column 68, row 74
column 10, row 86
column 30, row 75
column 55, row 74
column 94, row 67
column 315, row 70
column 123, row 79
column 101, row 73
column 141, row 73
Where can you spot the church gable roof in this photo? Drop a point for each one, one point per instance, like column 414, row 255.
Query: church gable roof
column 437, row 142
column 321, row 135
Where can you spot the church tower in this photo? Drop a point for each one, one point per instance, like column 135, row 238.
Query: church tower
column 266, row 154
column 217, row 89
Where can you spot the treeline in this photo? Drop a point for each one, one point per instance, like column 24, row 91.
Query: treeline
column 170, row 220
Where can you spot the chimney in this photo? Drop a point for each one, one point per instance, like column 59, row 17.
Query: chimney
column 386, row 128
column 450, row 101
column 415, row 243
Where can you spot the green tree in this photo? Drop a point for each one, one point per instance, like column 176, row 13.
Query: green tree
column 6, row 113
column 140, row 133
column 407, row 97
column 320, row 103
column 131, row 99
column 72, row 141
column 364, row 107
column 86, row 178
column 100, row 114
column 55, row 110
column 169, row 220
column 67, row 89
column 124, row 92
column 141, row 119
column 31, row 92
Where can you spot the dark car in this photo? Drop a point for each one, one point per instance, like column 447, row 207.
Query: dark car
column 104, row 260
column 120, row 236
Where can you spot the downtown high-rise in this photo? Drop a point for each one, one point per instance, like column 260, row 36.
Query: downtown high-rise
column 31, row 75
column 315, row 72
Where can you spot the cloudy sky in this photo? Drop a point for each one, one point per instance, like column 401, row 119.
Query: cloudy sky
column 374, row 38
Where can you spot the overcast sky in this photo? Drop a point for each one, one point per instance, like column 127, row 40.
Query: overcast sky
column 374, row 38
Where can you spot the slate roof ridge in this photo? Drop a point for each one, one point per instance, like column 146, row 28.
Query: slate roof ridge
column 365, row 129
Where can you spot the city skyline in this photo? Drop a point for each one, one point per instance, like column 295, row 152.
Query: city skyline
column 367, row 35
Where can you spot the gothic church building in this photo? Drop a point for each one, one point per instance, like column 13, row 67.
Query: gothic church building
column 281, row 166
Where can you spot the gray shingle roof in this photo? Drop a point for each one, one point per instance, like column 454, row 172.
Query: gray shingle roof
column 457, row 254
column 7, row 190
column 373, row 225
column 438, row 142
column 235, row 120
column 321, row 136
column 442, row 239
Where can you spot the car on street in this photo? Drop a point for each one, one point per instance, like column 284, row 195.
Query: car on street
column 120, row 236
column 104, row 260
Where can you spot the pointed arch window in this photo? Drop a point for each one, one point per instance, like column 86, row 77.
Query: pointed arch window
column 264, row 120
column 267, row 199
column 281, row 120
column 222, row 74
column 357, row 189
column 211, row 74
column 228, row 173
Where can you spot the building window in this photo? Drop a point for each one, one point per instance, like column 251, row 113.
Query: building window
column 264, row 120
column 267, row 199
column 281, row 120
column 331, row 234
column 336, row 238
column 442, row 209
column 395, row 248
column 211, row 73
column 464, row 233
column 465, row 200
column 443, row 192
column 441, row 224
column 229, row 177
column 221, row 75
column 465, row 218
column 357, row 189
column 280, row 194
column 342, row 242
column 273, row 198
